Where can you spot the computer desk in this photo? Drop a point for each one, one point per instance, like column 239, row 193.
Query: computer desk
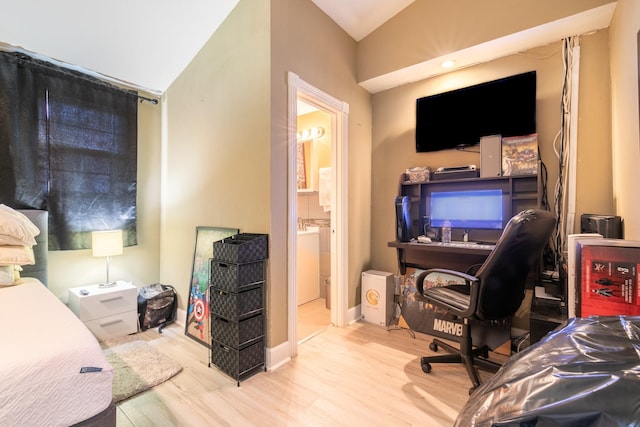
column 439, row 255
column 459, row 258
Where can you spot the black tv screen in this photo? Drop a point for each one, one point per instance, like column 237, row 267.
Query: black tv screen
column 460, row 117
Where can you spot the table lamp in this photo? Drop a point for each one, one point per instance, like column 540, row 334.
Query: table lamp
column 106, row 243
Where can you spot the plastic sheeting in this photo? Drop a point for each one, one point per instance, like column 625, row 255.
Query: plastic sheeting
column 585, row 374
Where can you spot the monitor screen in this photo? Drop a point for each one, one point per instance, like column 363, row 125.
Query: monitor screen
column 471, row 209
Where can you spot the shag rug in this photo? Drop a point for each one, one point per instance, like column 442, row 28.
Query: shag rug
column 137, row 366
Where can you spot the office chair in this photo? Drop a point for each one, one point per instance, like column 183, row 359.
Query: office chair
column 495, row 292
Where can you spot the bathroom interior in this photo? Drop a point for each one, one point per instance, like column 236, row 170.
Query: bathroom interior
column 314, row 221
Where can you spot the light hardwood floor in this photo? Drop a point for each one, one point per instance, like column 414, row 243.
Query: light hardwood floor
column 360, row 375
column 313, row 318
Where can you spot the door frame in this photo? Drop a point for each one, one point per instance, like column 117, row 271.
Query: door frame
column 339, row 113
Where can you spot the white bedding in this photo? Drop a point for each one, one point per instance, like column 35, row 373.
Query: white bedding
column 44, row 348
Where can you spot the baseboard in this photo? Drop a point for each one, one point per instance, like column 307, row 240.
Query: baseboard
column 181, row 316
column 354, row 314
column 278, row 356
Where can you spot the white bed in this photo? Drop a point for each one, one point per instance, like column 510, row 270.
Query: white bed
column 53, row 371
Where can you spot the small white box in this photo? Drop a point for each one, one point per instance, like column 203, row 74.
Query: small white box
column 377, row 297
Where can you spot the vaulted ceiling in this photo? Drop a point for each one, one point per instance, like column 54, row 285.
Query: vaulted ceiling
column 148, row 43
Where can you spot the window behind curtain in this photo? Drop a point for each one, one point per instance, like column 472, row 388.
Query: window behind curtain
column 73, row 146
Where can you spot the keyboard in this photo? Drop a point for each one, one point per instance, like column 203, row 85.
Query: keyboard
column 456, row 244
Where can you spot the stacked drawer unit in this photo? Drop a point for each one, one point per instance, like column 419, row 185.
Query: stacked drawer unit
column 237, row 298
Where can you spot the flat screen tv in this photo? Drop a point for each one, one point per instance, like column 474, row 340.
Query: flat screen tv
column 467, row 209
column 459, row 118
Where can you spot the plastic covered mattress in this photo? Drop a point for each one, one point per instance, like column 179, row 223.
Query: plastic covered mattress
column 585, row 374
column 52, row 369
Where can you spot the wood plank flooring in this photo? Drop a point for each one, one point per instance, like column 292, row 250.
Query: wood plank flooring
column 313, row 318
column 360, row 375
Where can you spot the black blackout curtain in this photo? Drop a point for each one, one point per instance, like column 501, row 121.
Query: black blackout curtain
column 68, row 144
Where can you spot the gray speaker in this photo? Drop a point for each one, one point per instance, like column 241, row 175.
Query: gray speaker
column 609, row 226
column 490, row 156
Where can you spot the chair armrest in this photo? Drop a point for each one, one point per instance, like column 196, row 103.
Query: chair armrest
column 467, row 277
column 471, row 281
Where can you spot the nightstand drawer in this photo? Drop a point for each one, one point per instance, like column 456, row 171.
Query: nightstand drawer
column 114, row 326
column 103, row 301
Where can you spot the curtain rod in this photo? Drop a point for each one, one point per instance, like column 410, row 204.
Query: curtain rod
column 120, row 84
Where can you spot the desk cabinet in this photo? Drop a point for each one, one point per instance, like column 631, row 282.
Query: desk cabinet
column 108, row 312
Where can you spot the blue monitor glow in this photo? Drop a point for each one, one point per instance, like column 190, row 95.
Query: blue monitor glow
column 470, row 209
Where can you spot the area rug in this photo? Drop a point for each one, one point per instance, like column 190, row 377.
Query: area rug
column 137, row 366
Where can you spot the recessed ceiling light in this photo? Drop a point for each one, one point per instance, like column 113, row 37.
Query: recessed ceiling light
column 448, row 63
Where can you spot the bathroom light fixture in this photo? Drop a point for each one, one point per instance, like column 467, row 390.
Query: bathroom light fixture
column 106, row 243
column 311, row 133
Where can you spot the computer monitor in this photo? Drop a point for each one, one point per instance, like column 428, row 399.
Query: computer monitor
column 467, row 209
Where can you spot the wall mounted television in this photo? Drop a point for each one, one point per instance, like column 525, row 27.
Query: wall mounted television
column 459, row 118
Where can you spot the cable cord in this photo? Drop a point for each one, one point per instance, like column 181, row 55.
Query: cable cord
column 561, row 149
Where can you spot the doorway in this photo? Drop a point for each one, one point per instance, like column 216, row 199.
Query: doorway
column 337, row 112
column 313, row 165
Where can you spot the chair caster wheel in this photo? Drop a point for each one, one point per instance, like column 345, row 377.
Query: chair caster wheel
column 433, row 347
column 426, row 366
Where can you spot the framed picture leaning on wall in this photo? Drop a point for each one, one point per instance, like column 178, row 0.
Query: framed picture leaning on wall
column 198, row 317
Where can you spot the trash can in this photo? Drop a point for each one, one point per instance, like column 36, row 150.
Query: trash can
column 327, row 293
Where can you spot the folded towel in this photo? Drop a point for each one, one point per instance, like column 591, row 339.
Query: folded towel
column 324, row 188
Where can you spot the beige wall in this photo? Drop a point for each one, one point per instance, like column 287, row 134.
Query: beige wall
column 306, row 42
column 217, row 148
column 594, row 172
column 625, row 127
column 139, row 264
column 394, row 131
column 429, row 29
column 225, row 147
column 215, row 166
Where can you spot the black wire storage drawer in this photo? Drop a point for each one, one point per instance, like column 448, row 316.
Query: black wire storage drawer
column 241, row 248
column 238, row 363
column 237, row 334
column 234, row 277
column 237, row 305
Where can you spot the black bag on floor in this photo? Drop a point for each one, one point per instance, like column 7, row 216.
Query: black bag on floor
column 157, row 306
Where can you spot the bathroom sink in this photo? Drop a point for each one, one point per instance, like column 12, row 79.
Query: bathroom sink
column 309, row 230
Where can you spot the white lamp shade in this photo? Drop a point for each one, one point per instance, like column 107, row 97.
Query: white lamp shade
column 106, row 243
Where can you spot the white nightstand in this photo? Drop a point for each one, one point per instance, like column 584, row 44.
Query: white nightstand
column 108, row 311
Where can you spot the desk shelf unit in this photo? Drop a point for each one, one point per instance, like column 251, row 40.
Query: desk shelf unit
column 521, row 192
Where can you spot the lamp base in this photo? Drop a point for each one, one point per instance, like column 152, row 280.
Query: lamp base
column 107, row 285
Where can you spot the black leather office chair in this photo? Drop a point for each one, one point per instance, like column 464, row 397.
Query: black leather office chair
column 495, row 292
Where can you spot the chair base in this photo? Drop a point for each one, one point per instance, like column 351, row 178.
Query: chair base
column 470, row 357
